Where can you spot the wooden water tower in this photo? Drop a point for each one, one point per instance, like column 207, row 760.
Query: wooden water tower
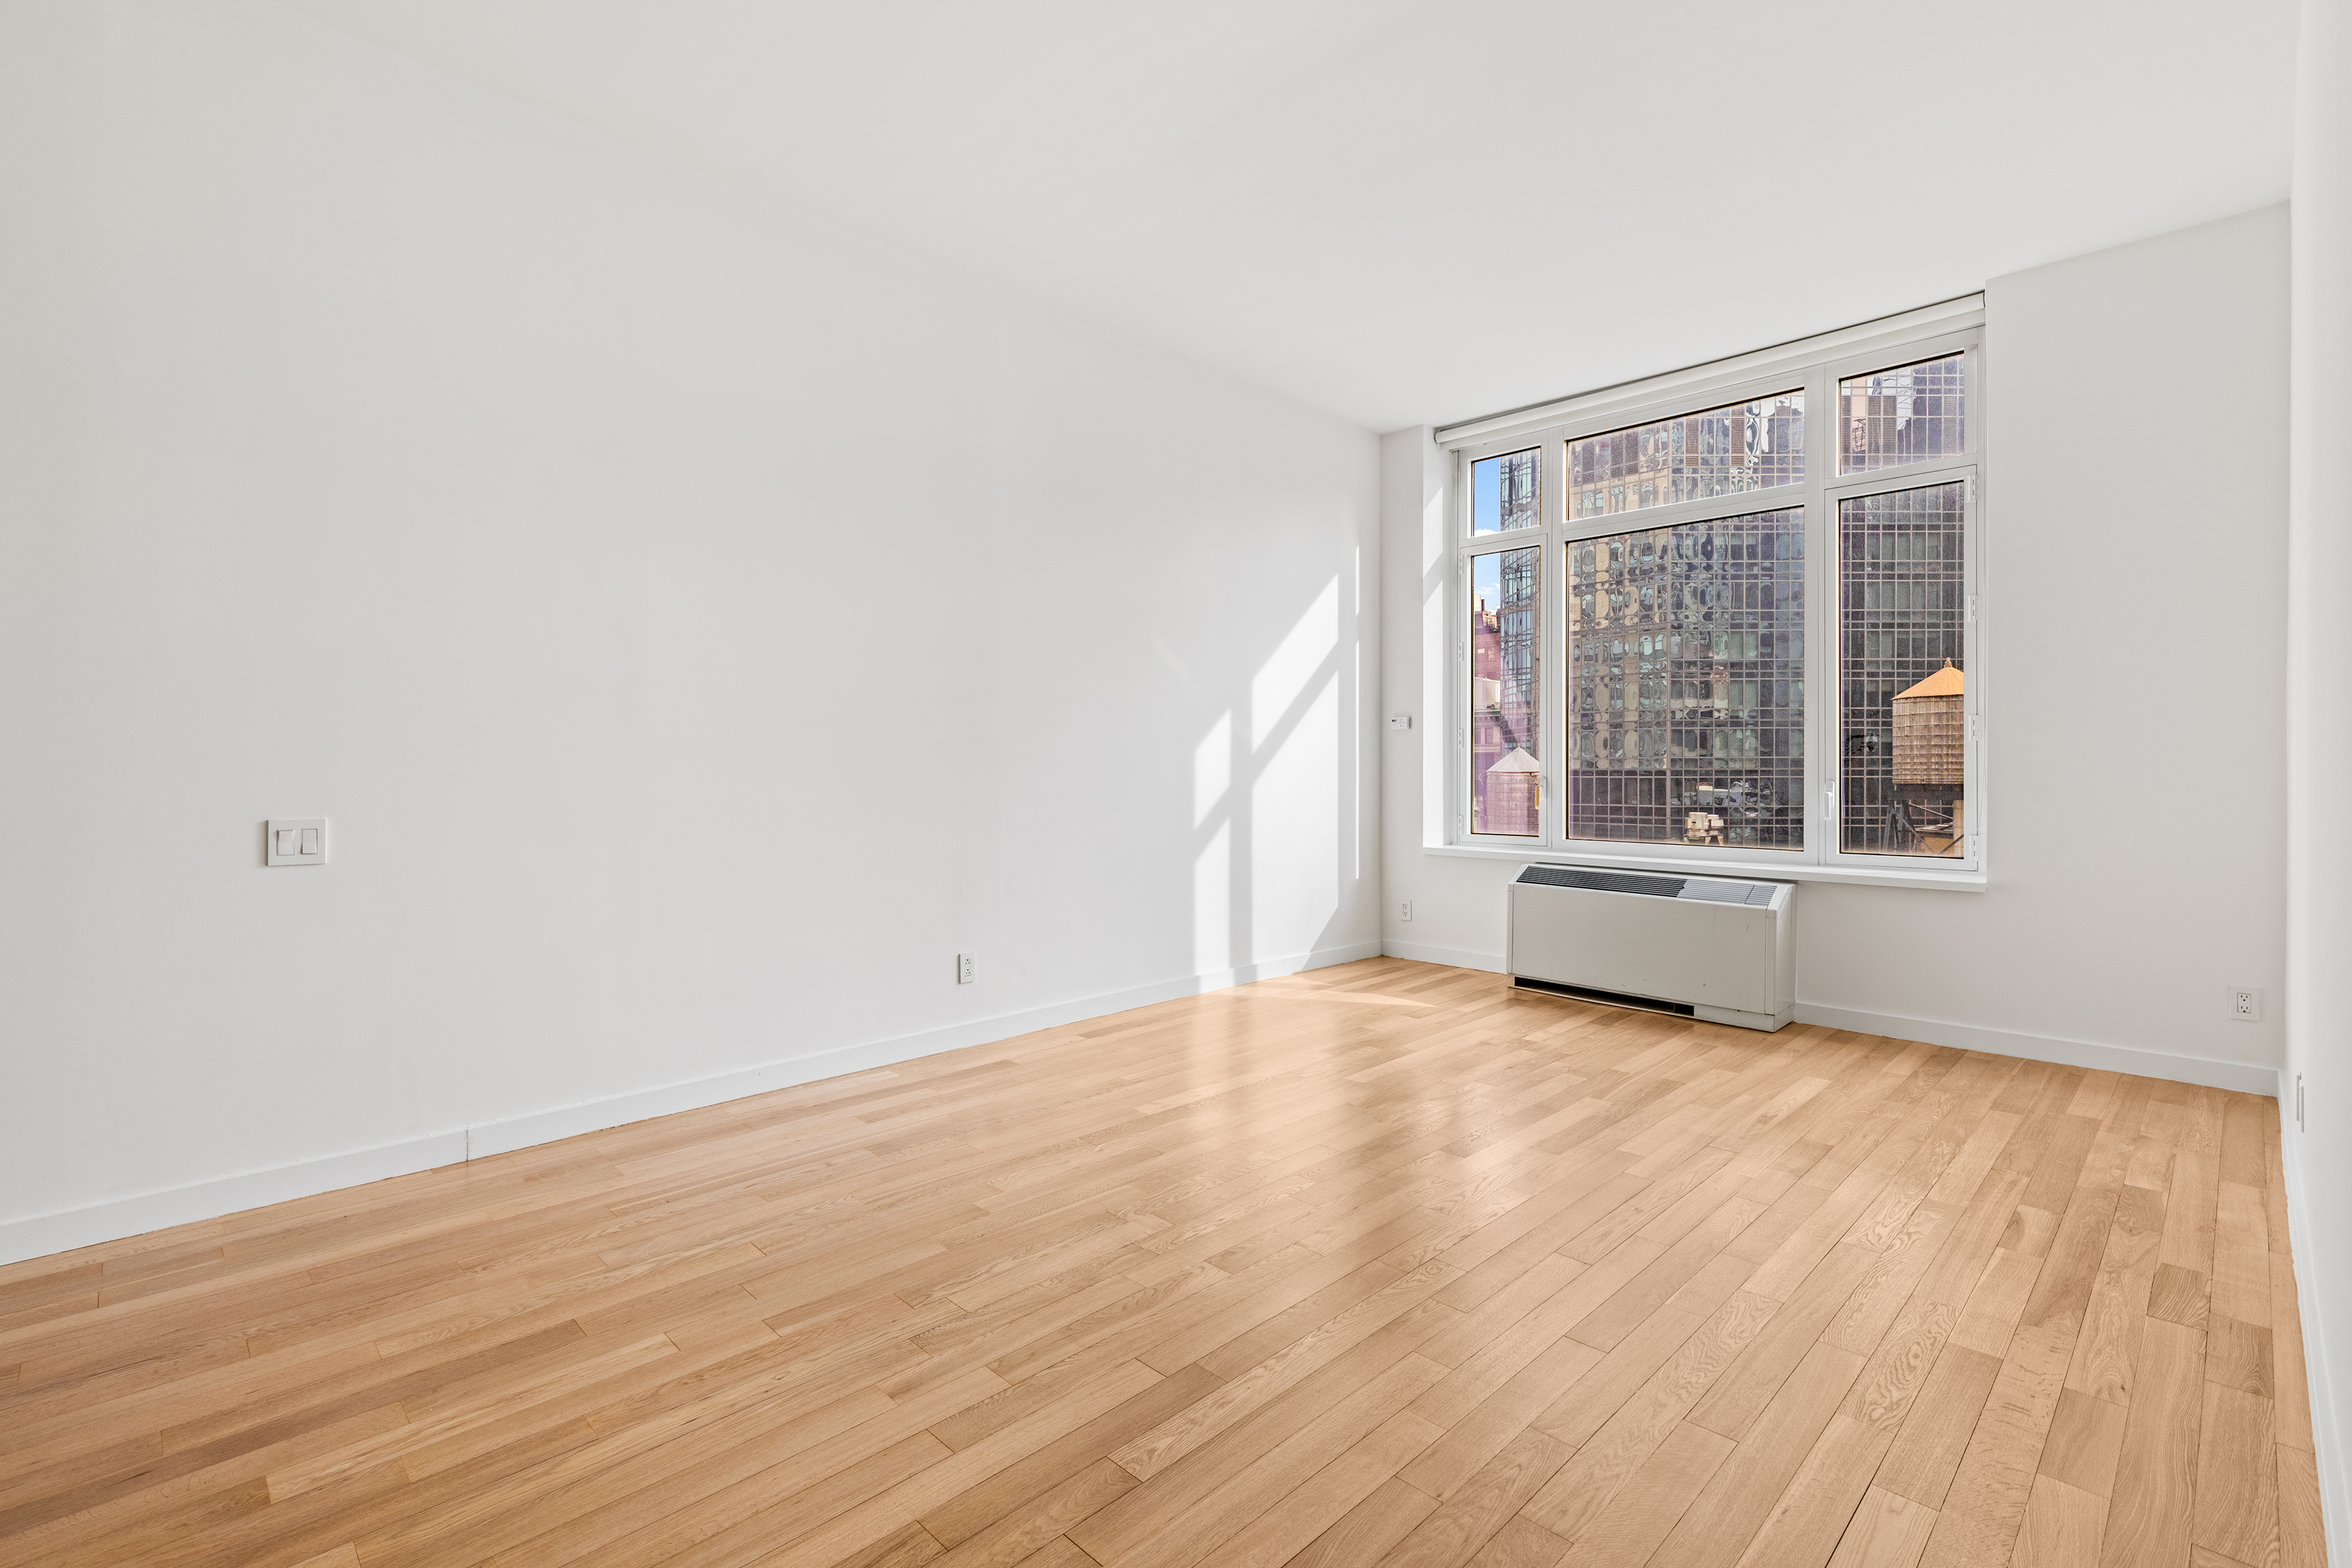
column 1931, row 731
column 1931, row 728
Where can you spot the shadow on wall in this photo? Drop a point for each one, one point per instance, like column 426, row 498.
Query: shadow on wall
column 1278, row 798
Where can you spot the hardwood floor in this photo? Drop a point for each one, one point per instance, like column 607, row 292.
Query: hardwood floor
column 1382, row 1264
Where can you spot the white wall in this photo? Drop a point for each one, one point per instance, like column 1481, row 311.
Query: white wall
column 2319, row 745
column 2134, row 664
column 697, row 625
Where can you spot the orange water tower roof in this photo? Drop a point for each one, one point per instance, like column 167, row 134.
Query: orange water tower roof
column 1945, row 682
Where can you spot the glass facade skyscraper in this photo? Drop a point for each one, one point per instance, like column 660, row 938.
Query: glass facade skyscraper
column 1901, row 618
column 1686, row 650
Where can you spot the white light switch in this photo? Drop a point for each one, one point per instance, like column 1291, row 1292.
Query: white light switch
column 1400, row 721
column 298, row 841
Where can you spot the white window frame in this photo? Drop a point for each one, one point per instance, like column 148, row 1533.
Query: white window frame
column 1815, row 367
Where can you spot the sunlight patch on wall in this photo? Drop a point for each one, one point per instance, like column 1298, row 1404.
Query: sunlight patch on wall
column 1212, row 768
column 1294, row 828
column 1213, row 907
column 1282, row 680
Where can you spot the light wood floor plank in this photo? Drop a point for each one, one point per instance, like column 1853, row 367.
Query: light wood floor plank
column 1379, row 1264
column 1887, row 1531
column 2156, row 1473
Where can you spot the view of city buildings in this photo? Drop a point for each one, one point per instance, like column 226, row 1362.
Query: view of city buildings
column 1686, row 650
column 1724, row 451
column 1907, row 414
column 1503, row 491
column 1503, row 693
column 1902, row 620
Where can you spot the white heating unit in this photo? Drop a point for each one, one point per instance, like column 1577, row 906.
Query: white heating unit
column 1705, row 947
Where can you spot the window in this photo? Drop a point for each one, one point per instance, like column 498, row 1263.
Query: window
column 1503, row 707
column 1902, row 415
column 1503, row 493
column 1902, row 658
column 1686, row 648
column 1741, row 446
column 1754, row 588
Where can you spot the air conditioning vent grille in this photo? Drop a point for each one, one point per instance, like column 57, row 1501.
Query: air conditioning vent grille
column 1702, row 890
column 1604, row 881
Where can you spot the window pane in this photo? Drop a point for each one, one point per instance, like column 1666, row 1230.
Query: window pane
column 1503, row 491
column 1903, row 722
column 1503, row 693
column 1686, row 683
column 1724, row 451
column 1902, row 415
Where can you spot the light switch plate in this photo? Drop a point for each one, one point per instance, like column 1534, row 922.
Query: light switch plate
column 297, row 841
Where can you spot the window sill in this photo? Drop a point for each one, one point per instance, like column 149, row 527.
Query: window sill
column 1907, row 877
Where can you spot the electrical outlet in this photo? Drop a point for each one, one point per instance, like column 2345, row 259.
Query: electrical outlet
column 1405, row 910
column 2246, row 1003
column 967, row 968
column 2298, row 1102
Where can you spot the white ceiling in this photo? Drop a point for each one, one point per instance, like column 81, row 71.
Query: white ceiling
column 1407, row 212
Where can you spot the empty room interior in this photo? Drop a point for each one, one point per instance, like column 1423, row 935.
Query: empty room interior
column 1276, row 785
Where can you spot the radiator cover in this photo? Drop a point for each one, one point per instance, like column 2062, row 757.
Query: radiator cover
column 1724, row 947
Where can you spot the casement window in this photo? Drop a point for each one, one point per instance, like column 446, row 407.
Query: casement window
column 1727, row 617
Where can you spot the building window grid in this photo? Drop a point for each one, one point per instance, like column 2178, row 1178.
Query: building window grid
column 1686, row 665
column 1902, row 616
column 1910, row 414
column 1732, row 450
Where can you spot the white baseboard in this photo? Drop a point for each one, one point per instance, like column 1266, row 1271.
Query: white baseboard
column 2246, row 1078
column 1453, row 958
column 37, row 1235
column 2327, row 1437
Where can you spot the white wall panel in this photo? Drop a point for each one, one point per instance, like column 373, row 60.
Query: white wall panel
column 698, row 625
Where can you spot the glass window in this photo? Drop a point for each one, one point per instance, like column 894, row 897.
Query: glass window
column 1503, row 491
column 1503, row 693
column 1907, row 414
column 1902, row 664
column 1686, row 683
column 1731, row 450
column 1696, row 557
